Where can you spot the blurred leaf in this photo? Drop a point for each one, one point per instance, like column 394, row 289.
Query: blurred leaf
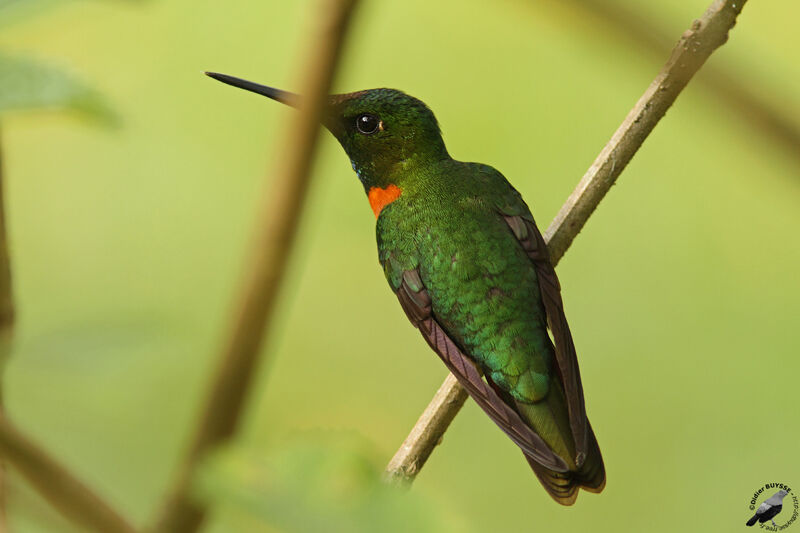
column 322, row 485
column 5, row 4
column 25, row 84
column 14, row 11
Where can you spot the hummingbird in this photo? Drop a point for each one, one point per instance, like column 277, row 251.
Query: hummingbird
column 462, row 253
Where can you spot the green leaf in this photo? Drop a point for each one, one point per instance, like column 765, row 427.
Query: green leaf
column 26, row 84
column 15, row 11
column 321, row 484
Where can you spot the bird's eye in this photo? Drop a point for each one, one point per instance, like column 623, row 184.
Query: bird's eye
column 368, row 124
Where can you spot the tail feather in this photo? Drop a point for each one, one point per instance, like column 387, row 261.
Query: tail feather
column 753, row 520
column 550, row 419
column 563, row 486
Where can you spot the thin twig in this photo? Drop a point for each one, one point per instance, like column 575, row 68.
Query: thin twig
column 692, row 50
column 6, row 326
column 730, row 89
column 68, row 495
column 277, row 224
column 427, row 432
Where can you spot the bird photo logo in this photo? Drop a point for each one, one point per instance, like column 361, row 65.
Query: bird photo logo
column 766, row 513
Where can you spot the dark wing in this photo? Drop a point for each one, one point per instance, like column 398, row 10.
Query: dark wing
column 416, row 302
column 532, row 242
column 770, row 513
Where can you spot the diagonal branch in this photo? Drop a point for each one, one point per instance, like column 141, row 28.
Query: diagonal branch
column 6, row 325
column 277, row 224
column 730, row 90
column 694, row 47
column 70, row 496
column 65, row 492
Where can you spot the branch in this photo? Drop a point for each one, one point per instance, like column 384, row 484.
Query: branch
column 67, row 494
column 277, row 224
column 694, row 47
column 427, row 432
column 725, row 84
column 6, row 326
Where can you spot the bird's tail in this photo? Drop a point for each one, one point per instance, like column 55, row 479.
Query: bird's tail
column 753, row 520
column 563, row 486
column 550, row 419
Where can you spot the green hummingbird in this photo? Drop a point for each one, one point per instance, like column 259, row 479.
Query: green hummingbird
column 462, row 253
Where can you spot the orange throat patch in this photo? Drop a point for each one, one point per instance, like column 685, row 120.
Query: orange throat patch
column 380, row 198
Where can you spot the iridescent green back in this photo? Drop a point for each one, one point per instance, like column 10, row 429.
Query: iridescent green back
column 483, row 286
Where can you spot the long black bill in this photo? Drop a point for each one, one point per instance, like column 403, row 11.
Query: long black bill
column 284, row 97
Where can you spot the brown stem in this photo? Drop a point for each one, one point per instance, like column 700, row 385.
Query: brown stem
column 6, row 325
column 67, row 494
column 277, row 223
column 427, row 432
column 694, row 47
column 629, row 23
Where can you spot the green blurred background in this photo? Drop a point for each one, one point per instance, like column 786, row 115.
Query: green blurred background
column 128, row 234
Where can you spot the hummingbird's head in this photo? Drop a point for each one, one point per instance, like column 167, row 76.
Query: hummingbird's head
column 383, row 131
